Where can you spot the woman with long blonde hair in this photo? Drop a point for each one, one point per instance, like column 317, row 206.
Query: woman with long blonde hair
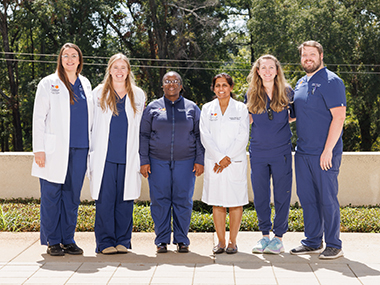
column 268, row 100
column 115, row 180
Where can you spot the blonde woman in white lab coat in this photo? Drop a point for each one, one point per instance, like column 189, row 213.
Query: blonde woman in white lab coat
column 62, row 120
column 224, row 128
column 115, row 179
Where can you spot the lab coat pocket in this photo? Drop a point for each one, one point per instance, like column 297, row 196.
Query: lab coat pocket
column 237, row 171
column 50, row 142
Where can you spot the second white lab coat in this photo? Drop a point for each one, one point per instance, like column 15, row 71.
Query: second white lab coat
column 51, row 126
column 99, row 145
column 225, row 135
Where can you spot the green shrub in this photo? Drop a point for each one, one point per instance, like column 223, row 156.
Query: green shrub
column 24, row 215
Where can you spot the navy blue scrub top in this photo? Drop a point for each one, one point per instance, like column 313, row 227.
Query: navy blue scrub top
column 117, row 140
column 270, row 138
column 78, row 117
column 313, row 99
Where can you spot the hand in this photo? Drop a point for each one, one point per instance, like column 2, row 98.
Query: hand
column 198, row 169
column 39, row 157
column 144, row 170
column 225, row 162
column 325, row 160
column 218, row 168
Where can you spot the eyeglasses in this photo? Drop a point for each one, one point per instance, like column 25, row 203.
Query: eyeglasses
column 175, row 81
column 270, row 113
column 73, row 56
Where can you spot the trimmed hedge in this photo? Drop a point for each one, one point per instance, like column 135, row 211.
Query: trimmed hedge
column 23, row 215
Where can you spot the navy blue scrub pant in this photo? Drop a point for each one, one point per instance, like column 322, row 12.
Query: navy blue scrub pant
column 114, row 216
column 59, row 202
column 280, row 168
column 171, row 186
column 317, row 190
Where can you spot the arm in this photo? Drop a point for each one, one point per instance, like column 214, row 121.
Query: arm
column 40, row 112
column 199, row 149
column 145, row 132
column 335, row 130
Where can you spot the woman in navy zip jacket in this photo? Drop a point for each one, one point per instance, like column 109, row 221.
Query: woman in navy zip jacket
column 268, row 99
column 171, row 155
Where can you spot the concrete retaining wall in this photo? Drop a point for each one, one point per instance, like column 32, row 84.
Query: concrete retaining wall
column 359, row 179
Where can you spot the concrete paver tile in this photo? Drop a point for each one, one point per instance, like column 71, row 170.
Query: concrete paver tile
column 214, row 268
column 61, row 266
column 13, row 244
column 53, row 274
column 214, row 273
column 88, row 280
column 12, row 280
column 98, row 267
column 170, row 280
column 15, row 274
column 135, row 270
column 339, row 281
column 174, row 274
column 134, row 274
column 254, row 274
column 100, row 274
column 309, row 280
column 19, row 268
column 130, row 281
column 50, row 281
column 213, row 280
column 366, row 270
column 179, row 266
column 331, row 270
column 256, row 281
column 370, row 280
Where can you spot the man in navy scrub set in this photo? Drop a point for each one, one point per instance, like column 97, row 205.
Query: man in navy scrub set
column 320, row 109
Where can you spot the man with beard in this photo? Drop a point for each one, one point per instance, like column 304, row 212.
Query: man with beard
column 320, row 109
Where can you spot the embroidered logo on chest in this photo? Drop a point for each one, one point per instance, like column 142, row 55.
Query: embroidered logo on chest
column 54, row 89
column 214, row 117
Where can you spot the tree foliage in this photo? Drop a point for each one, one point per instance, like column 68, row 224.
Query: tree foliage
column 197, row 38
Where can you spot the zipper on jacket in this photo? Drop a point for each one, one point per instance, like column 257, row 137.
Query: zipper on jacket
column 172, row 142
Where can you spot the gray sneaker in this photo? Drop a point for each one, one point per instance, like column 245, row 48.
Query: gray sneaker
column 331, row 253
column 303, row 249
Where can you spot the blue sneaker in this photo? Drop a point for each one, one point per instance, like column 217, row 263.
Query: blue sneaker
column 261, row 245
column 275, row 246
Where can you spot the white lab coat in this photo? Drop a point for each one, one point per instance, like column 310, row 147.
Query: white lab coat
column 225, row 135
column 51, row 126
column 99, row 145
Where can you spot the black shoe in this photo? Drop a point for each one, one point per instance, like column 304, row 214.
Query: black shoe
column 72, row 248
column 303, row 249
column 162, row 248
column 182, row 247
column 331, row 253
column 55, row 250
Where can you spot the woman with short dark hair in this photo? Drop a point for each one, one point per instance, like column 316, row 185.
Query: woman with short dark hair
column 171, row 157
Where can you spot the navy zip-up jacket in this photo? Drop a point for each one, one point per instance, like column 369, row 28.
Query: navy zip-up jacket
column 170, row 131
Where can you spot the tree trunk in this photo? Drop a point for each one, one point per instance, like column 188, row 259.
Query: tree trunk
column 13, row 102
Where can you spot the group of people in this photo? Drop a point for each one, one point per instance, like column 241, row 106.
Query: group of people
column 109, row 133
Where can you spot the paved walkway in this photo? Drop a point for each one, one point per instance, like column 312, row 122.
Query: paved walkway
column 24, row 261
